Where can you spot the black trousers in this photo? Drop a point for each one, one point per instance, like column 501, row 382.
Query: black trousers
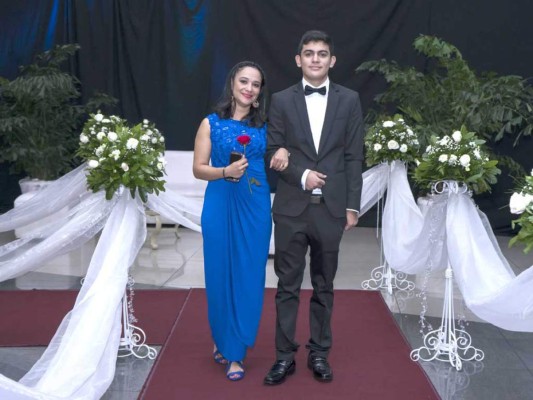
column 318, row 230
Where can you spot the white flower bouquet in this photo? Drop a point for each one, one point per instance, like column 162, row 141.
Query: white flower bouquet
column 459, row 157
column 117, row 154
column 391, row 139
column 521, row 202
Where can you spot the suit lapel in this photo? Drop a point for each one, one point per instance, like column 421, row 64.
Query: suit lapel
column 331, row 110
column 301, row 110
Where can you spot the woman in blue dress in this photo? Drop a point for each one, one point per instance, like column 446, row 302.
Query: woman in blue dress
column 236, row 219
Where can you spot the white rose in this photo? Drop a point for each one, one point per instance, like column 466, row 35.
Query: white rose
column 159, row 166
column 100, row 135
column 154, row 140
column 410, row 132
column 106, row 121
column 93, row 164
column 388, row 124
column 149, row 132
column 453, row 159
column 444, row 141
column 112, row 136
column 145, row 121
column 99, row 150
column 403, row 148
column 417, row 162
column 144, row 138
column 115, row 154
column 392, row 144
column 132, row 143
column 98, row 117
column 465, row 160
column 443, row 158
column 429, row 149
column 377, row 147
column 84, row 138
column 124, row 166
column 457, row 136
column 161, row 139
column 519, row 202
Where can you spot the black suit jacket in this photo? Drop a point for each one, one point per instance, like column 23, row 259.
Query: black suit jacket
column 340, row 153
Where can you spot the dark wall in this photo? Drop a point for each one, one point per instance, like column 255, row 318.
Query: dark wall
column 166, row 60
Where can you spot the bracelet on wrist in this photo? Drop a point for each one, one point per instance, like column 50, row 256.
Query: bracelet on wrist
column 224, row 172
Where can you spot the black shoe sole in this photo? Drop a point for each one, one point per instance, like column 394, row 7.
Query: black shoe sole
column 290, row 371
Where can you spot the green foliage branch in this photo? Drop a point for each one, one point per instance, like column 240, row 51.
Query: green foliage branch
column 40, row 116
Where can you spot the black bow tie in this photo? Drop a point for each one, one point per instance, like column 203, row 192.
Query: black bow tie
column 310, row 90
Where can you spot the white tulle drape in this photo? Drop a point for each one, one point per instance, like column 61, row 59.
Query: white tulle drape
column 448, row 228
column 80, row 361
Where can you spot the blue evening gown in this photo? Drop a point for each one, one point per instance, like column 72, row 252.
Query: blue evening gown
column 236, row 227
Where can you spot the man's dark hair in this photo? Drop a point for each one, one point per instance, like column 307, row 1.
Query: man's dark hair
column 315, row 36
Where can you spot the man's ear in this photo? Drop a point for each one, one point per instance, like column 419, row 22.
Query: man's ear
column 298, row 61
column 332, row 62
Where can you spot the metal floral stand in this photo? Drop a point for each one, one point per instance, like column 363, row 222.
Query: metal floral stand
column 383, row 276
column 447, row 343
column 133, row 339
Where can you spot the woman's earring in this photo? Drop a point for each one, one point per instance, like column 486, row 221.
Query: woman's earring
column 255, row 104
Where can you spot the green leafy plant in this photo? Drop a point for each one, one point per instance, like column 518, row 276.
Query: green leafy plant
column 460, row 157
column 119, row 155
column 521, row 203
column 40, row 116
column 453, row 94
column 390, row 139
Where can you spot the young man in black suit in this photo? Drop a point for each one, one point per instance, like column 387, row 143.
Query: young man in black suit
column 318, row 197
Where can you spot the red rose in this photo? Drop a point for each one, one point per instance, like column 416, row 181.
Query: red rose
column 244, row 139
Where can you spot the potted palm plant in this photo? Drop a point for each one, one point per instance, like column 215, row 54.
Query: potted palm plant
column 40, row 116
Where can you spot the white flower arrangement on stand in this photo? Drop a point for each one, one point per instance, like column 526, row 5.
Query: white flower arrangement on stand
column 455, row 163
column 121, row 156
column 389, row 140
column 117, row 154
column 521, row 203
column 459, row 157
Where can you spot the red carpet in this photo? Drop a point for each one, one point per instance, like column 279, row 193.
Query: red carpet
column 370, row 357
column 31, row 317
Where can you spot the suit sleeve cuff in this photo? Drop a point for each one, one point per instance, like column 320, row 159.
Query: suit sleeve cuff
column 304, row 178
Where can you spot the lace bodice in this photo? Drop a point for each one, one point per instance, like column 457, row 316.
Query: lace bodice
column 224, row 133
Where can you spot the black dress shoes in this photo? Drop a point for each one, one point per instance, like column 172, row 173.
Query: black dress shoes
column 320, row 367
column 279, row 371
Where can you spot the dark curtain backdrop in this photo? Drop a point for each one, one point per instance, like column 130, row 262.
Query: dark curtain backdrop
column 166, row 60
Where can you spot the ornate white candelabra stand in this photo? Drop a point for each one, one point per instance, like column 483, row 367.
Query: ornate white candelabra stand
column 133, row 338
column 448, row 343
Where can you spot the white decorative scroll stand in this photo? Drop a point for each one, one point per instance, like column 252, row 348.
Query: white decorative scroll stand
column 133, row 340
column 448, row 343
column 384, row 277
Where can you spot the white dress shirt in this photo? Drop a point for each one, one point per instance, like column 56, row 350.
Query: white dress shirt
column 316, row 111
